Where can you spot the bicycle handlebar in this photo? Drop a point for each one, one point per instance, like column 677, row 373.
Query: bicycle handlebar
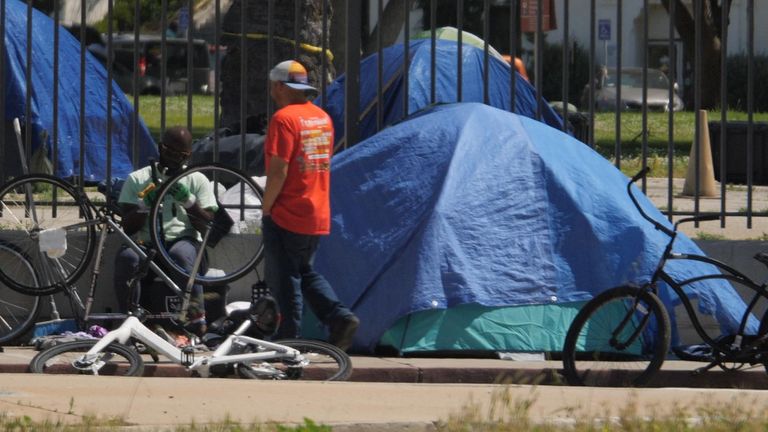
column 656, row 224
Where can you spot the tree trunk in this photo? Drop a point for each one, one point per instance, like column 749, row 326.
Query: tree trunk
column 391, row 24
column 310, row 30
column 710, row 49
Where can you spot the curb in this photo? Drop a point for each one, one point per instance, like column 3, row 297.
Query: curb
column 478, row 371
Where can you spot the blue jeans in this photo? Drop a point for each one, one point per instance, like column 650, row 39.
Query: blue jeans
column 183, row 252
column 289, row 275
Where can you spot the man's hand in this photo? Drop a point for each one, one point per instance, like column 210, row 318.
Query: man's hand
column 182, row 194
column 148, row 197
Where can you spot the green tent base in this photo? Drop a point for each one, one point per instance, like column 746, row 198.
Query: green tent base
column 472, row 329
column 475, row 328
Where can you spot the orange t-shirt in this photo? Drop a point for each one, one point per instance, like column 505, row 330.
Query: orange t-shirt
column 302, row 135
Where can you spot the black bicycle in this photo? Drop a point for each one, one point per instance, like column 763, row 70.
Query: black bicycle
column 51, row 232
column 622, row 336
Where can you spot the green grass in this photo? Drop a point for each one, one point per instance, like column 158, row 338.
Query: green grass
column 508, row 414
column 150, row 110
column 631, row 138
column 505, row 413
column 683, row 128
column 92, row 423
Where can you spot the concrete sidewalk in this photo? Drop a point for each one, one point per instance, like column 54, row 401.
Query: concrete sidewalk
column 385, row 394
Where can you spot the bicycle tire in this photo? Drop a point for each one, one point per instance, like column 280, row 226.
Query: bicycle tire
column 244, row 247
column 326, row 362
column 590, row 359
column 62, row 358
column 18, row 312
column 34, row 203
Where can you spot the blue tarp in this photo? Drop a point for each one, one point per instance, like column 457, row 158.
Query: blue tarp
column 420, row 87
column 41, row 109
column 467, row 204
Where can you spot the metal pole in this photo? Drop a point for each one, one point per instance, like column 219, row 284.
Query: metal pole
column 617, row 147
column 724, row 108
column 352, row 84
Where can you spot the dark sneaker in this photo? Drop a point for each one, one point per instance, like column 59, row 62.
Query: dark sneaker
column 342, row 331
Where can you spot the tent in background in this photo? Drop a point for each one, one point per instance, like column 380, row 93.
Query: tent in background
column 419, row 85
column 472, row 228
column 41, row 109
column 452, row 34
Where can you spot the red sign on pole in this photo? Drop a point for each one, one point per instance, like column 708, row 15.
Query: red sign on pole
column 529, row 9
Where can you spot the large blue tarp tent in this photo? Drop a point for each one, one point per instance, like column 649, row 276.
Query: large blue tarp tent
column 419, row 67
column 41, row 109
column 494, row 226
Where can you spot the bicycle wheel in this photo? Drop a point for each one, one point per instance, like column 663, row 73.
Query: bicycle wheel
column 18, row 312
column 35, row 209
column 234, row 242
column 322, row 362
column 68, row 358
column 619, row 338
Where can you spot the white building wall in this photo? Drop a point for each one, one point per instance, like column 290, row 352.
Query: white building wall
column 632, row 22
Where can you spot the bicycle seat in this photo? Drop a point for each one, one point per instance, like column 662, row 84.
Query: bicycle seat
column 762, row 257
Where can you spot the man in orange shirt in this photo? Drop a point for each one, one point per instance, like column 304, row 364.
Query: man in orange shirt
column 297, row 156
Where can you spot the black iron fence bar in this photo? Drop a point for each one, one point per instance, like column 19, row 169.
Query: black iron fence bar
column 619, row 38
column 110, row 124
column 565, row 59
column 513, row 41
column 539, row 59
column 486, row 36
column 135, row 118
column 699, row 15
column 244, row 64
column 216, row 77
column 270, row 50
column 324, row 62
column 459, row 50
column 433, row 53
column 352, row 84
column 296, row 21
column 55, row 126
column 406, row 55
column 28, row 95
column 750, row 105
column 163, row 64
column 379, row 67
column 190, row 56
column 2, row 92
column 644, row 122
column 81, row 176
column 56, row 66
column 592, row 77
column 671, row 117
column 723, row 107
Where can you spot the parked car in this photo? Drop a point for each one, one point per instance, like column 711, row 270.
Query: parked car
column 94, row 42
column 150, row 64
column 632, row 91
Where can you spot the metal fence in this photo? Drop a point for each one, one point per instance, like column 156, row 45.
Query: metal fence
column 333, row 37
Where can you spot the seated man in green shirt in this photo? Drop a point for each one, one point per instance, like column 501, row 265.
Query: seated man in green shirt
column 186, row 209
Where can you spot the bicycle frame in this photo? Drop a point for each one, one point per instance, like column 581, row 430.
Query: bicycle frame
column 103, row 218
column 727, row 273
column 133, row 328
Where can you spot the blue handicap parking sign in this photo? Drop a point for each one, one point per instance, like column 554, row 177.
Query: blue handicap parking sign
column 604, row 29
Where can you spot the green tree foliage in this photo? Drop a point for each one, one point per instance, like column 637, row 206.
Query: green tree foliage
column 578, row 72
column 150, row 14
column 737, row 82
